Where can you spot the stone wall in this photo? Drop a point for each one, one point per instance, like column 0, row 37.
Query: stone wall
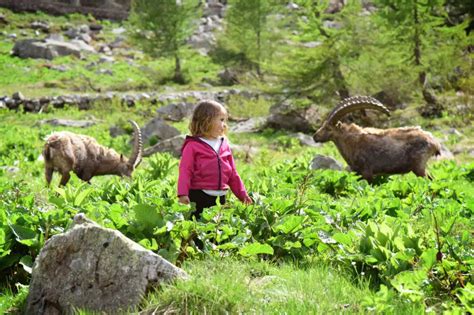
column 102, row 9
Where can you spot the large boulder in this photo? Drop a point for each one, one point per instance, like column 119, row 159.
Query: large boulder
column 176, row 111
column 253, row 124
column 294, row 118
column 94, row 268
column 49, row 48
column 171, row 145
column 158, row 128
column 68, row 122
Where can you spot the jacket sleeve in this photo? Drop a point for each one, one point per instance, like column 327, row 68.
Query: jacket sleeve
column 236, row 184
column 186, row 166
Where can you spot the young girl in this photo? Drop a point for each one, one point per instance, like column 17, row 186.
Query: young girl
column 207, row 168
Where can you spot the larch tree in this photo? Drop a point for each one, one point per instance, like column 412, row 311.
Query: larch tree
column 247, row 34
column 430, row 47
column 162, row 27
column 319, row 55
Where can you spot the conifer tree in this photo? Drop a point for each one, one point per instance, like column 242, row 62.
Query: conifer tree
column 430, row 47
column 317, row 63
column 247, row 33
column 162, row 27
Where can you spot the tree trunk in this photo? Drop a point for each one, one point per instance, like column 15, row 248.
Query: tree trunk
column 178, row 74
column 259, row 45
column 339, row 80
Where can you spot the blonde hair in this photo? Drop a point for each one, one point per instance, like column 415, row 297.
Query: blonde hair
column 203, row 114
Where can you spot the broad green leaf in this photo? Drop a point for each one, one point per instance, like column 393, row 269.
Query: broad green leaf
column 151, row 245
column 428, row 258
column 289, row 224
column 81, row 196
column 8, row 261
column 115, row 214
column 466, row 296
column 255, row 249
column 148, row 215
column 398, row 242
column 58, row 201
column 342, row 238
column 408, row 283
column 23, row 234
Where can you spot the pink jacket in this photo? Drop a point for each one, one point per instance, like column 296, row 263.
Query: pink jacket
column 202, row 168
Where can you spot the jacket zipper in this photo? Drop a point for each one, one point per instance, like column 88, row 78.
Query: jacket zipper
column 219, row 183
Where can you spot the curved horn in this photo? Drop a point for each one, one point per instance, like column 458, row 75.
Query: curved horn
column 354, row 103
column 137, row 151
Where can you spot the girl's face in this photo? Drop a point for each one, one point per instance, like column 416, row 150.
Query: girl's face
column 218, row 125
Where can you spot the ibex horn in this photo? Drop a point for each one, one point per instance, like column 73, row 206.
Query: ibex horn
column 137, row 151
column 354, row 103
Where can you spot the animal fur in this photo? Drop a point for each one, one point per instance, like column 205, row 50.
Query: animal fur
column 371, row 151
column 66, row 151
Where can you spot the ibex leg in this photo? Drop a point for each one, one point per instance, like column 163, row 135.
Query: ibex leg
column 48, row 173
column 65, row 179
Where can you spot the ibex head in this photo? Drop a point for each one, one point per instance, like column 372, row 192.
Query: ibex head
column 330, row 127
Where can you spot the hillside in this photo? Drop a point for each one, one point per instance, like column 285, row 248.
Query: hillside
column 315, row 240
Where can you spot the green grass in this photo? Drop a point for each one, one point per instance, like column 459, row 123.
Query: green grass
column 131, row 70
column 12, row 302
column 233, row 286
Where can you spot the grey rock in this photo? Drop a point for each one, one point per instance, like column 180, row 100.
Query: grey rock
column 105, row 72
column 253, row 124
column 445, row 154
column 68, row 123
column 159, row 128
column 289, row 117
column 48, row 48
column 176, row 111
column 40, row 25
column 306, row 140
column 3, row 19
column 18, row 96
column 10, row 169
column 325, row 162
column 94, row 268
column 172, row 145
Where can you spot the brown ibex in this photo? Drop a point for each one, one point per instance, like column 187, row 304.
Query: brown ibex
column 372, row 151
column 66, row 151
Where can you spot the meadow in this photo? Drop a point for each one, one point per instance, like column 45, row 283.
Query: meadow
column 401, row 242
column 313, row 241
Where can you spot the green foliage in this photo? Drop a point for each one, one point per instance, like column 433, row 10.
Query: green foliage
column 390, row 235
column 441, row 45
column 162, row 27
column 248, row 38
column 245, row 108
column 321, row 69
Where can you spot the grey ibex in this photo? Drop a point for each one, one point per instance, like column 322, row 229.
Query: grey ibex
column 66, row 151
column 371, row 151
